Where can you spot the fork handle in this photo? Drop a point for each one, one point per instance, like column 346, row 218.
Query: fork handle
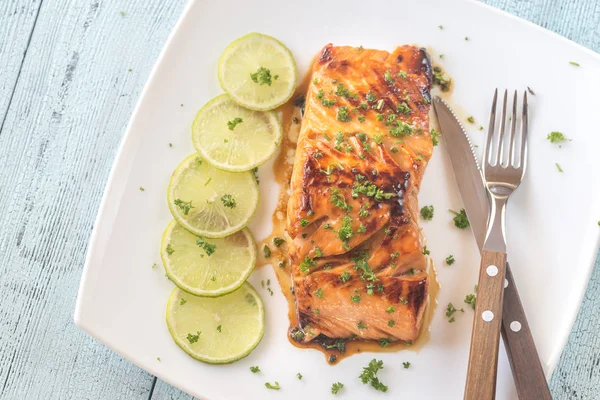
column 528, row 373
column 483, row 357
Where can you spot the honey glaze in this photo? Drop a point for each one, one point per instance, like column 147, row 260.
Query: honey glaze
column 273, row 250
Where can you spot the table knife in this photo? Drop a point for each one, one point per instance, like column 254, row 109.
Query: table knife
column 527, row 370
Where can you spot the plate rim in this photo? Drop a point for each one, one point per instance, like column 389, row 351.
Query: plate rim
column 116, row 172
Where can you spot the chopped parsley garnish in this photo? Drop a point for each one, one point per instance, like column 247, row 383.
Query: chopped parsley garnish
column 402, row 129
column 369, row 375
column 557, row 137
column 339, row 345
column 219, row 328
column 170, row 249
column 343, row 115
column 345, row 231
column 406, row 364
column 306, row 264
column 228, row 201
column 450, row 310
column 355, row 299
column 426, row 251
column 558, row 167
column 466, row 38
column 274, row 386
column 361, row 229
column 234, row 122
column 336, row 387
column 208, row 248
column 342, row 91
column 297, row 335
column 450, row 259
column 182, row 301
column 434, row 136
column 427, row 213
column 471, row 120
column 403, row 108
column 438, row 78
column 371, row 97
column 184, row 206
column 267, row 251
column 441, row 27
column 299, row 376
column 390, row 309
column 471, row 299
column 193, row 338
column 318, row 252
column 402, row 74
column 255, row 369
column 304, row 222
column 378, row 139
column 361, row 325
column 388, row 76
column 574, row 63
column 384, row 342
column 371, row 190
column 364, row 212
column 345, row 277
column 395, row 255
column 361, row 118
column 328, row 103
column 403, row 300
column 460, row 220
column 319, row 293
column 338, row 200
column 391, row 323
column 262, row 76
column 277, row 241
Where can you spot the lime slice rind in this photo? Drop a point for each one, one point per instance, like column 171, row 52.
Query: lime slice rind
column 240, row 316
column 245, row 56
column 200, row 183
column 194, row 271
column 249, row 144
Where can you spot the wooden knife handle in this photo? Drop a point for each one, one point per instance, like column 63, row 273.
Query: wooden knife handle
column 523, row 357
column 485, row 339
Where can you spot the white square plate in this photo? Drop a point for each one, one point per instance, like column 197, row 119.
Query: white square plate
column 552, row 230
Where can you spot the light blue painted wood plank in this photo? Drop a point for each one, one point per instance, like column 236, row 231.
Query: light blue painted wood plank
column 17, row 19
column 71, row 104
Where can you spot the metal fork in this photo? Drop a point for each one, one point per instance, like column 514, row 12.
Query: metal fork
column 504, row 162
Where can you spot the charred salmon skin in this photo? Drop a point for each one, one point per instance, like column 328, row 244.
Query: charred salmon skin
column 355, row 246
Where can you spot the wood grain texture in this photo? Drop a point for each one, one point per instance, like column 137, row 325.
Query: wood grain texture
column 520, row 346
column 73, row 96
column 485, row 338
column 72, row 101
column 17, row 19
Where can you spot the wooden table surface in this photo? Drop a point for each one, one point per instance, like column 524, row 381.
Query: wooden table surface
column 71, row 72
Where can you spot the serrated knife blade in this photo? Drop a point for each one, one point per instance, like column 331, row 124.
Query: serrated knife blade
column 465, row 168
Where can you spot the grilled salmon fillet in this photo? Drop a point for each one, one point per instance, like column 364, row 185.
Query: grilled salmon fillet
column 355, row 246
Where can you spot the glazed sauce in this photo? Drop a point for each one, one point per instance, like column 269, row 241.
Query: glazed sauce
column 291, row 117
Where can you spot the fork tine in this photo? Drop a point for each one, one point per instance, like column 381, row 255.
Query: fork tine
column 510, row 160
column 499, row 146
column 524, row 119
column 490, row 135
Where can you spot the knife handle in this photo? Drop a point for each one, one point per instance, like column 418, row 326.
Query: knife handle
column 522, row 355
column 485, row 339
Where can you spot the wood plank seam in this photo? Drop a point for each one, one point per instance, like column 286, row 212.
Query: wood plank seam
column 14, row 88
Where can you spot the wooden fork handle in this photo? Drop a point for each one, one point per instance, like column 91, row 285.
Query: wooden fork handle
column 483, row 357
column 528, row 373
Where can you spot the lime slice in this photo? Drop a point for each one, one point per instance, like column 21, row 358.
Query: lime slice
column 258, row 71
column 211, row 202
column 207, row 267
column 234, row 138
column 217, row 330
